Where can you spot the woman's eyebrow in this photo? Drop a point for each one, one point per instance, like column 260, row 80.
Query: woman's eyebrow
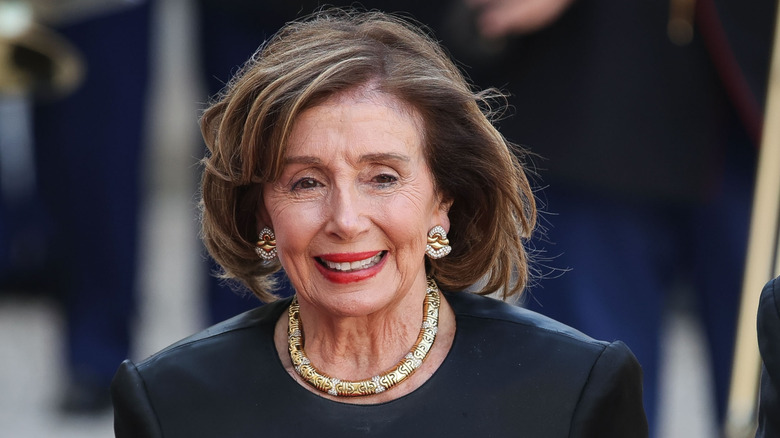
column 302, row 159
column 388, row 156
column 384, row 157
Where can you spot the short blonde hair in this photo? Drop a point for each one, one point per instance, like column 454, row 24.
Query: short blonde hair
column 334, row 51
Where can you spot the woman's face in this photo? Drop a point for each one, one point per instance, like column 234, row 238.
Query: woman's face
column 353, row 206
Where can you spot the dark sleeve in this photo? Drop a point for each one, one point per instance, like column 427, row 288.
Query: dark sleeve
column 769, row 344
column 134, row 416
column 611, row 401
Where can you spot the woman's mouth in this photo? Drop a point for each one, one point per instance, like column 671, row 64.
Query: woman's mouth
column 351, row 266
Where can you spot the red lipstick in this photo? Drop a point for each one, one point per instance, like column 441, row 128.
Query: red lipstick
column 348, row 257
column 344, row 277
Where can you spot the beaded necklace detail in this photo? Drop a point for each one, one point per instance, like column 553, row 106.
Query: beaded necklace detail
column 377, row 384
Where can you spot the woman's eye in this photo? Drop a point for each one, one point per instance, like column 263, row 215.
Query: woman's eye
column 306, row 183
column 385, row 178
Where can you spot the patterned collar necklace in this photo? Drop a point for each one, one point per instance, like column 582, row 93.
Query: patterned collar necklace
column 377, row 384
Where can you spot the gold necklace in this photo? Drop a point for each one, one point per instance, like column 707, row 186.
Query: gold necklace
column 377, row 384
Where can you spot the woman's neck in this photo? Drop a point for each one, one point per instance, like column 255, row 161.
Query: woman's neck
column 358, row 348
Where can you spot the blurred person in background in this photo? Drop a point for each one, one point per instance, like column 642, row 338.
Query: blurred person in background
column 78, row 227
column 89, row 154
column 647, row 116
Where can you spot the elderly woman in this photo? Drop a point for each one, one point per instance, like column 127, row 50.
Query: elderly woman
column 351, row 152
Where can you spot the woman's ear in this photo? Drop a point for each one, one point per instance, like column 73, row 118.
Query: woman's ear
column 442, row 214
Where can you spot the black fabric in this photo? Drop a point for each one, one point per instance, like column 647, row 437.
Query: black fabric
column 510, row 372
column 769, row 344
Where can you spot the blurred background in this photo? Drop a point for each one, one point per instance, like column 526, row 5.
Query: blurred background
column 99, row 255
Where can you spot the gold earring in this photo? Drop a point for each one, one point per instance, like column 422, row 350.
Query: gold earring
column 266, row 244
column 438, row 245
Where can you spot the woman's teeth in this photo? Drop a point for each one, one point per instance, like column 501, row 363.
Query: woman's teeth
column 353, row 266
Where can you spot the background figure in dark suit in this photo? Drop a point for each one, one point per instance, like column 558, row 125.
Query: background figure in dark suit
column 89, row 149
column 769, row 344
column 648, row 137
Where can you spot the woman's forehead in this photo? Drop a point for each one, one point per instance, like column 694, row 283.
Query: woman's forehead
column 346, row 124
column 371, row 92
column 359, row 104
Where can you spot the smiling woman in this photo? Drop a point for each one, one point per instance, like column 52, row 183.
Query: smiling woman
column 353, row 204
column 351, row 152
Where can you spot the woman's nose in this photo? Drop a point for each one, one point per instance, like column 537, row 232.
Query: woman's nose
column 348, row 216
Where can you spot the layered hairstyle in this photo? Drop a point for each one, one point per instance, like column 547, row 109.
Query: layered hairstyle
column 248, row 125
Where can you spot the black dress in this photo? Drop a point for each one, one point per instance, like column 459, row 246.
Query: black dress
column 510, row 373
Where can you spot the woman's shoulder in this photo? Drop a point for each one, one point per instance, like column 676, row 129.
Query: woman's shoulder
column 548, row 368
column 224, row 336
column 491, row 310
column 218, row 370
column 470, row 305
